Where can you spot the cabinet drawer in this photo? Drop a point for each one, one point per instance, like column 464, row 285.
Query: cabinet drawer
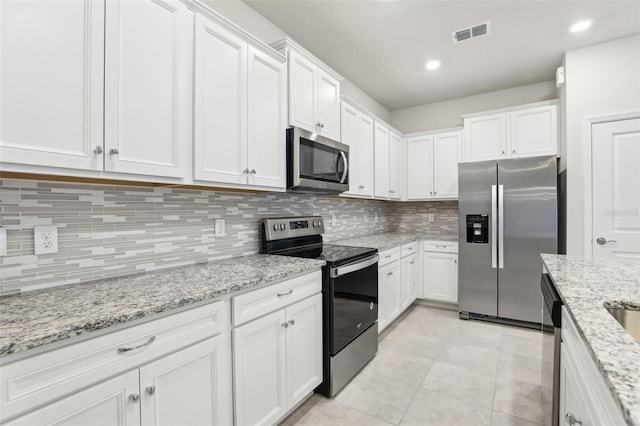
column 409, row 248
column 388, row 256
column 259, row 302
column 34, row 381
column 441, row 246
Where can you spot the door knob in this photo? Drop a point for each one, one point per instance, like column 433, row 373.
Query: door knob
column 603, row 241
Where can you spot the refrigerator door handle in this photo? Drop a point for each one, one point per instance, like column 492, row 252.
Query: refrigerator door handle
column 501, row 226
column 494, row 227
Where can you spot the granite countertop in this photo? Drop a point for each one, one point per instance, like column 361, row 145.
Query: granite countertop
column 585, row 285
column 35, row 318
column 389, row 240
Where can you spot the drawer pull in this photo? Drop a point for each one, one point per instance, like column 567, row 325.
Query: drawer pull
column 148, row 342
column 292, row 322
column 412, row 262
column 151, row 390
column 134, row 397
column 387, row 256
column 389, row 273
column 285, row 294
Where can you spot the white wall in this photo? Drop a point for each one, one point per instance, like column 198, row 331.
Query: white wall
column 440, row 115
column 251, row 21
column 602, row 79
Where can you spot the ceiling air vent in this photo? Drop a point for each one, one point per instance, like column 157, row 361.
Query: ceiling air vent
column 472, row 32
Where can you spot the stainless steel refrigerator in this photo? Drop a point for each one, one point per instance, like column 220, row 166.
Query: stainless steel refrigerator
column 507, row 217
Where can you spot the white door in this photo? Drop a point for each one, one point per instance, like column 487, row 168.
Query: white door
column 329, row 106
column 148, row 87
column 114, row 402
column 220, row 104
column 260, row 370
column 267, row 120
column 616, row 188
column 485, row 138
column 350, row 135
column 381, row 160
column 409, row 280
column 534, row 132
column 446, row 154
column 303, row 103
column 420, row 168
column 364, row 161
column 304, row 348
column 395, row 166
column 189, row 387
column 441, row 276
column 51, row 77
column 392, row 271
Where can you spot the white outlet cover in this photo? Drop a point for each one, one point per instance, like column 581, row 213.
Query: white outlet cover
column 45, row 239
column 220, row 227
column 3, row 241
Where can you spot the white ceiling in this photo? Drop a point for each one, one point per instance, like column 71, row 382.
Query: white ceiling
column 382, row 46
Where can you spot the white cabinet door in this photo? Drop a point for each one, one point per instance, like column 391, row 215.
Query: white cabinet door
column 220, row 110
column 328, row 106
column 388, row 294
column 107, row 403
column 446, row 154
column 148, row 87
column 51, row 83
column 409, row 280
column 350, row 135
column 441, row 276
column 534, row 132
column 364, row 161
column 260, row 370
column 395, row 166
column 419, row 167
column 190, row 387
column 304, row 348
column 303, row 77
column 485, row 138
column 267, row 120
column 381, row 160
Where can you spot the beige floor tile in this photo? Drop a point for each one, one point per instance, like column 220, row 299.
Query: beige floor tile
column 469, row 385
column 305, row 413
column 477, row 333
column 434, row 408
column 500, row 419
column 521, row 399
column 379, row 396
column 528, row 345
column 470, row 356
column 523, row 368
column 398, row 365
column 341, row 415
column 416, row 344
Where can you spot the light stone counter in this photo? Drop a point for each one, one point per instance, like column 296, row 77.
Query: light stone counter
column 36, row 318
column 585, row 285
column 389, row 240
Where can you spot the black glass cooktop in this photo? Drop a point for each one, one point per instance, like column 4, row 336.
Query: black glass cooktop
column 332, row 254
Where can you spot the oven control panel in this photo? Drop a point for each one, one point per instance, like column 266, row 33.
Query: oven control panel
column 278, row 228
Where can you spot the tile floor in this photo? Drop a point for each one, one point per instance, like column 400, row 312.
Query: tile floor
column 435, row 369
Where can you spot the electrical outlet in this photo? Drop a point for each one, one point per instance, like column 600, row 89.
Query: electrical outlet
column 375, row 217
column 431, row 218
column 333, row 220
column 3, row 241
column 45, row 239
column 220, row 227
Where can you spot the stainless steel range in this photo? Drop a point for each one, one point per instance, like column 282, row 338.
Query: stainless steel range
column 349, row 292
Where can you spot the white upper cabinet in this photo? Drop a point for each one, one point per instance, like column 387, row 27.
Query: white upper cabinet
column 314, row 92
column 446, row 155
column 148, row 86
column 395, row 166
column 240, row 110
column 419, row 167
column 525, row 131
column 51, row 83
column 364, row 161
column 381, row 160
column 357, row 132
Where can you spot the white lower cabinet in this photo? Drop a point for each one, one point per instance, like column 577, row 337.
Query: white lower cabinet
column 388, row 294
column 409, row 280
column 440, row 272
column 397, row 282
column 277, row 357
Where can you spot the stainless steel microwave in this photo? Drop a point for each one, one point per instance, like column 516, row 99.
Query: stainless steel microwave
column 316, row 164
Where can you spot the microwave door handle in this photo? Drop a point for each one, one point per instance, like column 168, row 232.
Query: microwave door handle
column 346, row 167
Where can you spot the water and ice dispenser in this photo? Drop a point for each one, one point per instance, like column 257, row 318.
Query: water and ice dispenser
column 478, row 228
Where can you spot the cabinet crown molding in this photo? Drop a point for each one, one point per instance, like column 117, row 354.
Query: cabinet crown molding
column 511, row 109
column 434, row 132
column 371, row 115
column 287, row 43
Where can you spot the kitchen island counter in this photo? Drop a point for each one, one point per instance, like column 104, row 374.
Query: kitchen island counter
column 586, row 285
column 36, row 318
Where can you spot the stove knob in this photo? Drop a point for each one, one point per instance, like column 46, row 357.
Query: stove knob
column 315, row 223
column 320, row 223
column 275, row 227
column 282, row 226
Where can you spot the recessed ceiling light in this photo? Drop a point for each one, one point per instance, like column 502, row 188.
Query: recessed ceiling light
column 580, row 26
column 432, row 65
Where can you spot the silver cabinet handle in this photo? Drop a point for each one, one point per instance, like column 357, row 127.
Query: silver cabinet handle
column 133, row 348
column 513, row 152
column 455, row 260
column 285, row 324
column 114, row 151
column 412, row 262
column 151, row 390
column 430, row 192
column 572, row 420
column 253, row 171
column 285, row 294
column 134, row 397
column 503, row 152
column 602, row 241
column 389, row 273
column 292, row 322
column 435, row 192
column 387, row 256
column 245, row 172
column 98, row 150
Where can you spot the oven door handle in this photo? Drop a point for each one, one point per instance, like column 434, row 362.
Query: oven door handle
column 352, row 267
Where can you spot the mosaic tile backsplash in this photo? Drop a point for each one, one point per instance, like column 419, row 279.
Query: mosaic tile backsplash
column 113, row 230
